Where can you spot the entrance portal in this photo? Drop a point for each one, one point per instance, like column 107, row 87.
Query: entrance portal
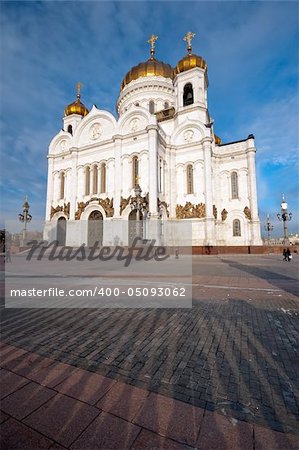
column 61, row 230
column 95, row 228
column 135, row 226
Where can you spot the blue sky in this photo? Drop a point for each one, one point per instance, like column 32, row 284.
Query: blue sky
column 253, row 65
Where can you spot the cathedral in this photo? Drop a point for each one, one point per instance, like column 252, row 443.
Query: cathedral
column 157, row 163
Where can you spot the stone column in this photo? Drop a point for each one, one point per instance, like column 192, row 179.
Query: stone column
column 117, row 176
column 255, row 238
column 171, row 185
column 73, row 185
column 81, row 182
column 209, row 221
column 91, row 180
column 56, row 186
column 50, row 187
column 153, row 169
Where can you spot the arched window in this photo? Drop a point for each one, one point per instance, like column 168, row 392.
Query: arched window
column 62, row 184
column 189, row 179
column 87, row 181
column 188, row 95
column 70, row 129
column 103, row 178
column 166, row 105
column 135, row 171
column 234, row 185
column 151, row 106
column 236, row 227
column 95, row 179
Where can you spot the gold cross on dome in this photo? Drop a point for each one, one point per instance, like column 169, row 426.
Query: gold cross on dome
column 188, row 38
column 78, row 86
column 152, row 41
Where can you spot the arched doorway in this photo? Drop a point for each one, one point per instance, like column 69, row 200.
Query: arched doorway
column 61, row 230
column 95, row 228
column 135, row 226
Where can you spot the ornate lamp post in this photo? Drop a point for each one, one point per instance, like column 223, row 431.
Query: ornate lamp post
column 139, row 205
column 284, row 217
column 25, row 218
column 268, row 227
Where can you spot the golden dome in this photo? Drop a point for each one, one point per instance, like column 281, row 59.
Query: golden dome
column 77, row 106
column 190, row 60
column 152, row 67
column 149, row 68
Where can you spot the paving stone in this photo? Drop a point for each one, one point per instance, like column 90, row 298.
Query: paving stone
column 3, row 417
column 265, row 439
column 85, row 386
column 147, row 440
column 52, row 375
column 10, row 382
column 123, row 401
column 107, row 432
column 230, row 337
column 62, row 418
column 219, row 432
column 17, row 436
column 26, row 364
column 170, row 418
column 26, row 399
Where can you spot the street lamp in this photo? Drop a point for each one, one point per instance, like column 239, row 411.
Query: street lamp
column 25, row 218
column 139, row 205
column 268, row 227
column 284, row 217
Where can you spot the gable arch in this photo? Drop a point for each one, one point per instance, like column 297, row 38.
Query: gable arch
column 106, row 127
column 199, row 132
column 125, row 125
column 56, row 147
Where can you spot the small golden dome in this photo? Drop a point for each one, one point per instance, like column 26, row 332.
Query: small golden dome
column 190, row 60
column 77, row 106
column 149, row 68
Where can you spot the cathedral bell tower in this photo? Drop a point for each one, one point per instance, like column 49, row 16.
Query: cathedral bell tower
column 74, row 113
column 191, row 81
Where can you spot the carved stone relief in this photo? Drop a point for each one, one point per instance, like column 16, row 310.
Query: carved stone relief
column 215, row 212
column 135, row 124
column 190, row 211
column 224, row 214
column 247, row 213
column 188, row 136
column 65, row 209
column 106, row 204
column 95, row 131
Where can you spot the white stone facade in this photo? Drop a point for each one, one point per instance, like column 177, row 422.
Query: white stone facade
column 183, row 173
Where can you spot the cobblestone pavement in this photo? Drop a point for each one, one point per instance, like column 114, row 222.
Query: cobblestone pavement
column 235, row 351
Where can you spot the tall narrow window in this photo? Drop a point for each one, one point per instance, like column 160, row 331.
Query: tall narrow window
column 160, row 175
column 189, row 179
column 151, row 106
column 166, row 105
column 87, row 181
column 95, row 179
column 188, row 95
column 70, row 129
column 236, row 227
column 103, row 178
column 135, row 171
column 62, row 184
column 234, row 185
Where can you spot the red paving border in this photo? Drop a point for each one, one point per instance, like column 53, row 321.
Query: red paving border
column 50, row 405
